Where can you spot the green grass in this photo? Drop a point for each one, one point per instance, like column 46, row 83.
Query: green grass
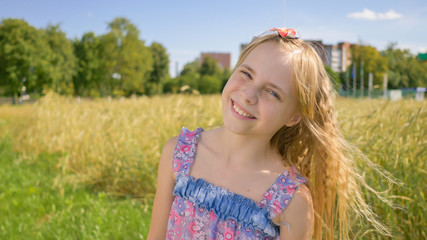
column 31, row 207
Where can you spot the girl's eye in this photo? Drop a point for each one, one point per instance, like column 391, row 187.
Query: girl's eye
column 247, row 74
column 274, row 94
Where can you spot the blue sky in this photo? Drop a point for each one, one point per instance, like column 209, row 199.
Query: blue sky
column 188, row 27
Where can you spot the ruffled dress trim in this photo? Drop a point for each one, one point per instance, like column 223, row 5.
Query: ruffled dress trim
column 224, row 203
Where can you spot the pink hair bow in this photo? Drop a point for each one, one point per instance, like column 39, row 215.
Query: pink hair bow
column 285, row 32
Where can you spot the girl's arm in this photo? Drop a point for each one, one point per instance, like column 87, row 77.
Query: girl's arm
column 163, row 198
column 298, row 216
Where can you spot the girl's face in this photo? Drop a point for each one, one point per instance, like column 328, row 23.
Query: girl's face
column 259, row 97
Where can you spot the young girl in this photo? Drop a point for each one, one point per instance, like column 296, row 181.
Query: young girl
column 277, row 169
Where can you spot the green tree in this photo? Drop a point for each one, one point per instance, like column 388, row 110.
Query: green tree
column 335, row 78
column 190, row 75
column 210, row 76
column 127, row 60
column 62, row 61
column 210, row 84
column 160, row 70
column 89, row 78
column 172, row 85
column 369, row 60
column 109, row 49
column 206, row 77
column 209, row 67
column 24, row 56
column 418, row 73
column 404, row 69
column 226, row 73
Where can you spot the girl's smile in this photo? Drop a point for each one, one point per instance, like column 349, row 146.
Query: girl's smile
column 261, row 92
column 241, row 112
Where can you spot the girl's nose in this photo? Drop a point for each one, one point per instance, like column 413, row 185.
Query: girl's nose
column 249, row 95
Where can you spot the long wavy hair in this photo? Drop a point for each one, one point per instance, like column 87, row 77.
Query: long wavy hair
column 316, row 147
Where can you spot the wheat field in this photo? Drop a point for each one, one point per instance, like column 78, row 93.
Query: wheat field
column 113, row 145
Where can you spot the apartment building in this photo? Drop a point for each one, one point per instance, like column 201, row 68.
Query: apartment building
column 223, row 59
column 338, row 56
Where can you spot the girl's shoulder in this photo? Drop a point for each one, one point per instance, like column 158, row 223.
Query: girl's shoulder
column 298, row 217
column 168, row 152
column 211, row 137
column 170, row 144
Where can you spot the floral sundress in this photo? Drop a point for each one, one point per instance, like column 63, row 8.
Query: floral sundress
column 201, row 210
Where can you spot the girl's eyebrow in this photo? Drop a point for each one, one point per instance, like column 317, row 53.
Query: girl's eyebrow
column 277, row 88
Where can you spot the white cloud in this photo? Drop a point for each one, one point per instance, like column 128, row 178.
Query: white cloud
column 391, row 14
column 366, row 14
column 371, row 15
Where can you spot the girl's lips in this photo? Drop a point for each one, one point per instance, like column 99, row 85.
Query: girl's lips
column 240, row 111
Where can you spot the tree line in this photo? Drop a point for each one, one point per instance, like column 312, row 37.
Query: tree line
column 403, row 69
column 119, row 63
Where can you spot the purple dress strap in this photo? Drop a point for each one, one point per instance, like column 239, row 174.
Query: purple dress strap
column 278, row 196
column 185, row 151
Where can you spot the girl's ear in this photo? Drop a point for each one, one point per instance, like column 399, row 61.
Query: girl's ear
column 294, row 120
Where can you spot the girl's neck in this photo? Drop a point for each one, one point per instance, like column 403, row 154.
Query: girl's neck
column 244, row 149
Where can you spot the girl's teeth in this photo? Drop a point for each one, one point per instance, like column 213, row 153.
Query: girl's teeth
column 238, row 110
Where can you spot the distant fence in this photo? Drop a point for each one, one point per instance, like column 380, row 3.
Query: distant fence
column 394, row 94
column 8, row 100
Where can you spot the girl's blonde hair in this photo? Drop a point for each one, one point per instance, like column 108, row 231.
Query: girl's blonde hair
column 316, row 146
